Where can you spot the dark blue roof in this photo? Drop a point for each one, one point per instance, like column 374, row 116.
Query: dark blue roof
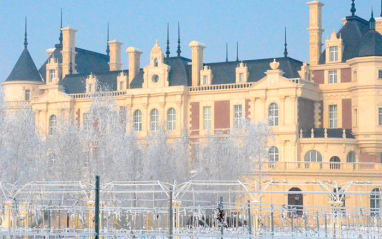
column 352, row 34
column 371, row 44
column 76, row 83
column 86, row 61
column 25, row 69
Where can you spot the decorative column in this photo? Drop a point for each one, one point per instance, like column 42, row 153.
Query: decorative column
column 7, row 215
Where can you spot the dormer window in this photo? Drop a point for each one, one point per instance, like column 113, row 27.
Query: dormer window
column 90, row 87
column 205, row 80
column 241, row 77
column 156, row 62
column 121, row 85
column 241, row 73
column 52, row 75
column 334, row 53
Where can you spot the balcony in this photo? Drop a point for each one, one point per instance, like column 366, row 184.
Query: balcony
column 326, row 133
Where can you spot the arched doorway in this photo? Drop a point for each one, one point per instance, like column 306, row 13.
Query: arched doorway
column 295, row 202
column 335, row 163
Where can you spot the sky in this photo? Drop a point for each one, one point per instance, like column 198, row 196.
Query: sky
column 258, row 26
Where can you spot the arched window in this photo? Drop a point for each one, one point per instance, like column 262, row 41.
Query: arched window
column 155, row 78
column 375, row 202
column 350, row 158
column 154, row 120
column 156, row 62
column 335, row 163
column 312, row 156
column 273, row 156
column 171, row 119
column 52, row 124
column 137, row 121
column 295, row 202
column 273, row 114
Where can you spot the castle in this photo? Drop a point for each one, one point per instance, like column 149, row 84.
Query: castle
column 326, row 114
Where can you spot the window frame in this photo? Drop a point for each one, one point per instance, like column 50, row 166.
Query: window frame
column 137, row 121
column 333, row 77
column 241, row 77
column 273, row 111
column 52, row 124
column 379, row 116
column 171, row 119
column 238, row 116
column 333, row 116
column 154, row 120
column 333, row 53
column 380, row 74
column 205, row 80
column 27, row 95
column 207, row 120
column 52, row 76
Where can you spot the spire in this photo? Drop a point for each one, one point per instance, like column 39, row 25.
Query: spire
column 178, row 51
column 26, row 35
column 285, row 45
column 168, row 42
column 107, row 42
column 226, row 52
column 61, row 37
column 237, row 51
column 353, row 10
column 372, row 21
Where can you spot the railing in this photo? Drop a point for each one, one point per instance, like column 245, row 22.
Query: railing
column 221, row 87
column 16, row 104
column 301, row 81
column 98, row 94
column 326, row 133
column 323, row 166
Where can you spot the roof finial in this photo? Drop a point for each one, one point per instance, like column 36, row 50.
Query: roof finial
column 26, row 35
column 285, row 44
column 61, row 36
column 237, row 51
column 178, row 51
column 168, row 42
column 353, row 10
column 107, row 42
column 372, row 21
column 226, row 52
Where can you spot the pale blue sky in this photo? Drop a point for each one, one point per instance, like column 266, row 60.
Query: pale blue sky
column 257, row 25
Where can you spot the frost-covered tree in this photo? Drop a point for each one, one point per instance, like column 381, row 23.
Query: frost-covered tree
column 21, row 146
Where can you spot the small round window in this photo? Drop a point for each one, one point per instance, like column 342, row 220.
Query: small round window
column 155, row 78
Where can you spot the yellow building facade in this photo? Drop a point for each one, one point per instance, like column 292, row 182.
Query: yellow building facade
column 326, row 115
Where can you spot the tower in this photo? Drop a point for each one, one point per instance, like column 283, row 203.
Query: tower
column 315, row 31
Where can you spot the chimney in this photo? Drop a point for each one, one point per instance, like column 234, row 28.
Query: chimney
column 197, row 61
column 115, row 55
column 134, row 62
column 315, row 31
column 68, row 51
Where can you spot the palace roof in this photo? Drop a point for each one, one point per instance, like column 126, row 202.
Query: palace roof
column 25, row 69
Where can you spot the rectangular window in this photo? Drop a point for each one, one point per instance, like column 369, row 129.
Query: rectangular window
column 90, row 87
column 333, row 53
column 332, row 77
column 355, row 117
column 241, row 77
column 355, row 76
column 205, row 80
column 333, row 116
column 207, row 117
column 121, row 85
column 86, row 122
column 52, row 75
column 27, row 95
column 238, row 116
column 380, row 74
column 380, row 116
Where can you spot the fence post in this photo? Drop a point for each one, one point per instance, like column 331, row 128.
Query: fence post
column 170, row 216
column 249, row 220
column 96, row 211
column 221, row 217
column 272, row 222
